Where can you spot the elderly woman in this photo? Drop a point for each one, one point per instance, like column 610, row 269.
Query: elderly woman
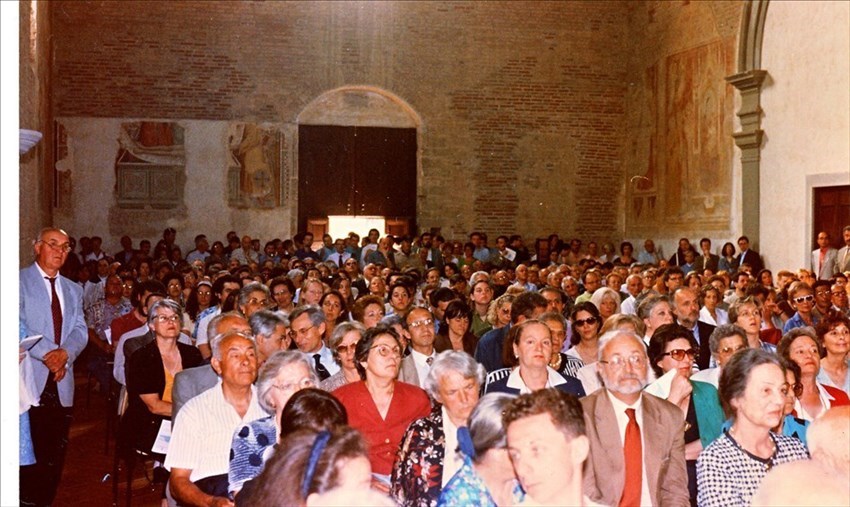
column 282, row 375
column 791, row 425
column 427, row 457
column 499, row 313
column 342, row 343
column 724, row 341
column 801, row 346
column 673, row 347
column 655, row 311
column 710, row 313
column 802, row 299
column 150, row 375
column 607, row 301
column 380, row 406
column 308, row 409
column 377, row 287
column 283, row 291
column 752, row 390
column 560, row 362
column 368, row 310
column 586, row 323
column 529, row 356
column 833, row 333
column 455, row 333
column 487, row 477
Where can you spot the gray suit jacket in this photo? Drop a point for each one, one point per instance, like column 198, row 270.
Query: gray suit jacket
column 843, row 260
column 407, row 371
column 663, row 454
column 190, row 383
column 830, row 264
column 37, row 318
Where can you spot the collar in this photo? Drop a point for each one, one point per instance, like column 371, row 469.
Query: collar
column 515, row 380
column 621, row 406
column 418, row 357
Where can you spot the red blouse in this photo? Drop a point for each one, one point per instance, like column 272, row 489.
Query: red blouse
column 409, row 403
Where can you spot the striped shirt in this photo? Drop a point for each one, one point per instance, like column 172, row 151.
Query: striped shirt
column 203, row 432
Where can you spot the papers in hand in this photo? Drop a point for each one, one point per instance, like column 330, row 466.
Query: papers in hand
column 661, row 387
column 30, row 341
column 163, row 437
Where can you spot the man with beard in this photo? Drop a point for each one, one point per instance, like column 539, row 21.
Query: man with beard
column 637, row 446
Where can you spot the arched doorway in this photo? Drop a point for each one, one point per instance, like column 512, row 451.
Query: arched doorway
column 358, row 156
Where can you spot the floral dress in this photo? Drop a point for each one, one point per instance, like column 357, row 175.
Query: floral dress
column 468, row 488
column 417, row 476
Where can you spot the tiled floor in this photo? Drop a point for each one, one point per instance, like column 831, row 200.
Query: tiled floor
column 87, row 476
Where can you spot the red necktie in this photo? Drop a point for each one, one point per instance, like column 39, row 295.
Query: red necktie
column 56, row 310
column 633, row 454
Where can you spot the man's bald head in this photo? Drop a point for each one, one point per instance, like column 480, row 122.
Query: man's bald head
column 805, row 482
column 829, row 440
column 226, row 322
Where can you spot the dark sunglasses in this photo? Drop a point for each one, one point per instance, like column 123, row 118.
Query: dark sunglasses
column 679, row 354
column 798, row 389
column 588, row 321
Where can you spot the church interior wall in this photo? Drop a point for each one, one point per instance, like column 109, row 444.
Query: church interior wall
column 806, row 121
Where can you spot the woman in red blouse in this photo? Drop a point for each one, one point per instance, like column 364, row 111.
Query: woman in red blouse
column 380, row 406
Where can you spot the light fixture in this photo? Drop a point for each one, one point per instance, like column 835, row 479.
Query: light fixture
column 29, row 138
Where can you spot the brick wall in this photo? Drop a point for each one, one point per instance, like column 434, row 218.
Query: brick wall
column 523, row 104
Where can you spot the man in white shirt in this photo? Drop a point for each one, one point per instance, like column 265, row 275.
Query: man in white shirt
column 419, row 326
column 628, row 464
column 199, row 450
column 307, row 327
column 634, row 286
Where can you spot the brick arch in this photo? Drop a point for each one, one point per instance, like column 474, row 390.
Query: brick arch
column 365, row 106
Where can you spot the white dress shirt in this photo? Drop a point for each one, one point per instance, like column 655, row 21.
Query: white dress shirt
column 420, row 360
column 622, row 420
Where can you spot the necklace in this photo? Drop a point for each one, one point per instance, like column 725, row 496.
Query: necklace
column 768, row 462
column 556, row 364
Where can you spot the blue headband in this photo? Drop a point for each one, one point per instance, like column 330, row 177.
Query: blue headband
column 315, row 452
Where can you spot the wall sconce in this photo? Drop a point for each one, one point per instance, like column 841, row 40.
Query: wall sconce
column 29, row 138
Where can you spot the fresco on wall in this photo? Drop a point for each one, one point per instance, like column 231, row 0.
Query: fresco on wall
column 682, row 162
column 253, row 175
column 150, row 165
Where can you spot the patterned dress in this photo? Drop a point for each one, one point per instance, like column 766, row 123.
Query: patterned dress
column 252, row 446
column 417, row 476
column 727, row 475
column 468, row 488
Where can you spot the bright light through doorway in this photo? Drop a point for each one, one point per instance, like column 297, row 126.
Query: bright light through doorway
column 340, row 225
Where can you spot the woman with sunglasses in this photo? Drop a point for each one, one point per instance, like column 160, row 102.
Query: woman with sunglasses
column 801, row 346
column 791, row 425
column 802, row 299
column 586, row 323
column 380, row 406
column 834, row 336
column 342, row 343
column 673, row 347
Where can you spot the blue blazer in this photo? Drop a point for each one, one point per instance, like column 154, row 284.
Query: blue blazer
column 37, row 318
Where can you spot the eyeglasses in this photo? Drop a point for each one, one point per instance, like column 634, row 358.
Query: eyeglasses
column 679, row 354
column 303, row 332
column 61, row 247
column 732, row 350
column 420, row 323
column 342, row 349
column 162, row 319
column 204, row 293
column 620, row 361
column 261, row 302
column 292, row 386
column 804, row 299
column 386, row 351
column 588, row 321
column 822, row 293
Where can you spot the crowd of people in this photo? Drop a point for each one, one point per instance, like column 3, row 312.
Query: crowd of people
column 417, row 371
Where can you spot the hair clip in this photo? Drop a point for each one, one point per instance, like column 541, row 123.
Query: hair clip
column 315, row 452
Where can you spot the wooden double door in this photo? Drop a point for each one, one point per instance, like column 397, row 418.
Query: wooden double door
column 356, row 171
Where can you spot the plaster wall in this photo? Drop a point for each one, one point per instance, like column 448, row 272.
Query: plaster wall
column 806, row 122
column 90, row 207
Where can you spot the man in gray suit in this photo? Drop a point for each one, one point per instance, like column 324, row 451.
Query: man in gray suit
column 418, row 324
column 843, row 257
column 193, row 381
column 51, row 306
column 825, row 258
